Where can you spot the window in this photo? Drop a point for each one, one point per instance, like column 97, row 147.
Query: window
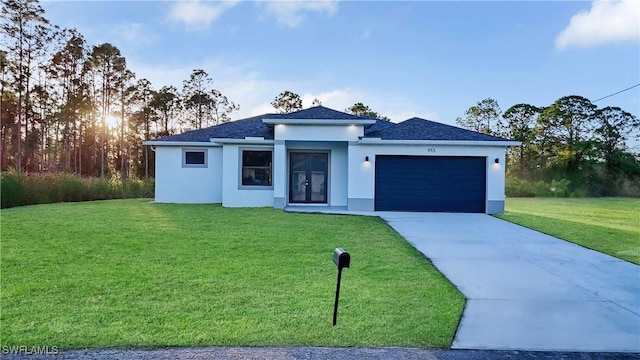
column 194, row 158
column 256, row 168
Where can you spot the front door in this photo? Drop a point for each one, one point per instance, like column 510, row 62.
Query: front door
column 308, row 177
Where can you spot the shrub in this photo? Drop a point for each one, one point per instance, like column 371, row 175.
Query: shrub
column 11, row 189
column 103, row 190
column 148, row 188
column 628, row 186
column 516, row 187
column 30, row 189
column 72, row 189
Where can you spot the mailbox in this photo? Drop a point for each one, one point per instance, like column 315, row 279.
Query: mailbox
column 341, row 258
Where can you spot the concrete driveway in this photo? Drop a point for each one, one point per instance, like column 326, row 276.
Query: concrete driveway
column 527, row 290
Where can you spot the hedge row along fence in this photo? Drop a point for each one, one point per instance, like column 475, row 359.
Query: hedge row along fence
column 18, row 189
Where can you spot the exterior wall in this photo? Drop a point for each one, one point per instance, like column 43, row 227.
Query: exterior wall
column 333, row 139
column 361, row 181
column 338, row 168
column 177, row 184
column 351, row 178
column 318, row 132
column 496, row 181
column 280, row 174
column 234, row 195
column 361, row 188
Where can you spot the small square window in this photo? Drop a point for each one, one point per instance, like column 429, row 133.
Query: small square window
column 256, row 168
column 194, row 158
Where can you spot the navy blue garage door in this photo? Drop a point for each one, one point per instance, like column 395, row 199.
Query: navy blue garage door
column 421, row 183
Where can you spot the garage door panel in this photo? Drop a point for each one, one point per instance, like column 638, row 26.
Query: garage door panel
column 445, row 184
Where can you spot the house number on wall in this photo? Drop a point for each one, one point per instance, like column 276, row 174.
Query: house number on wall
column 431, row 150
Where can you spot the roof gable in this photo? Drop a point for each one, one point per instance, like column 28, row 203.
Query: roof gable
column 318, row 113
column 378, row 126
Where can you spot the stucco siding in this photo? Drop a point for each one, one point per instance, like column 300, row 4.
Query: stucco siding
column 351, row 177
column 280, row 176
column 318, row 132
column 178, row 184
column 234, row 194
column 361, row 181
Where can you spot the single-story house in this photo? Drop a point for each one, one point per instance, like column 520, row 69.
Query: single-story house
column 323, row 157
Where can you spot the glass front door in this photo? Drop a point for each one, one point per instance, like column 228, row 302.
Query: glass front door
column 308, row 179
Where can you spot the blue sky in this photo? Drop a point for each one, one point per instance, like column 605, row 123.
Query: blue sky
column 431, row 59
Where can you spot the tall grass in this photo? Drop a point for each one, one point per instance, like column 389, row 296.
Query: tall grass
column 517, row 187
column 18, row 189
column 584, row 184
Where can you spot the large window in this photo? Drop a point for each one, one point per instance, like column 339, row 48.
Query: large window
column 194, row 158
column 256, row 167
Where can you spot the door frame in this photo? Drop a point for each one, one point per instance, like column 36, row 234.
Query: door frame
column 327, row 181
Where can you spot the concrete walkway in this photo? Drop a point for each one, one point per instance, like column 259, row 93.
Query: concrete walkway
column 527, row 290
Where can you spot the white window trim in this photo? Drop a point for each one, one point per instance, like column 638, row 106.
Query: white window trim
column 184, row 157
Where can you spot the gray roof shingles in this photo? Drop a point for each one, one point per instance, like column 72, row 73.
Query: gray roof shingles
column 239, row 129
column 421, row 129
column 412, row 129
column 318, row 113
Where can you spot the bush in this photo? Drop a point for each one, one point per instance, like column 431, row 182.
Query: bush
column 516, row 187
column 628, row 187
column 72, row 189
column 30, row 189
column 11, row 189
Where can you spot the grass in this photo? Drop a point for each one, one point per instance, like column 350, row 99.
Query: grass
column 608, row 225
column 126, row 273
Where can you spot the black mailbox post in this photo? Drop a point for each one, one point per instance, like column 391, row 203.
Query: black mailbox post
column 342, row 259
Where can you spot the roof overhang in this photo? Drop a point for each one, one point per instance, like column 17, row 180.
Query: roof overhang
column 180, row 143
column 245, row 141
column 379, row 141
column 326, row 122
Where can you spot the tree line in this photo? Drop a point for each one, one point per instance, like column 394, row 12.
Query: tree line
column 69, row 106
column 571, row 139
column 288, row 102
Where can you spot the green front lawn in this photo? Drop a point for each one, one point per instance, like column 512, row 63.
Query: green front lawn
column 608, row 225
column 133, row 273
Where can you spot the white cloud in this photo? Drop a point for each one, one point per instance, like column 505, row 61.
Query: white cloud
column 605, row 22
column 406, row 115
column 198, row 14
column 135, row 33
column 289, row 13
column 394, row 106
column 399, row 108
column 338, row 99
column 243, row 84
column 240, row 82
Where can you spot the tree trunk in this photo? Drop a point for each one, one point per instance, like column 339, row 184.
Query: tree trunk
column 122, row 171
column 146, row 148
